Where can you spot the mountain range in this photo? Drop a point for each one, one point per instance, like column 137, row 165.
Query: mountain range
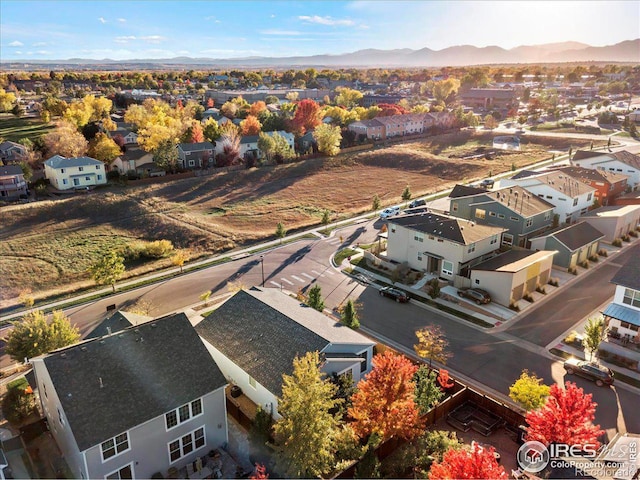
column 624, row 52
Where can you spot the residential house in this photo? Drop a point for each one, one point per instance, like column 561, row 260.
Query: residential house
column 521, row 213
column 252, row 96
column 635, row 116
column 249, row 146
column 622, row 162
column 130, row 160
column 490, row 98
column 12, row 183
column 307, row 143
column 622, row 316
column 439, row 244
column 117, row 322
column 608, row 185
column 78, row 172
column 369, row 129
column 195, row 155
column 211, row 113
column 134, row 403
column 574, row 244
column 368, row 100
column 630, row 198
column 614, row 221
column 11, row 152
column 512, row 274
column 256, row 334
column 289, row 137
column 570, row 197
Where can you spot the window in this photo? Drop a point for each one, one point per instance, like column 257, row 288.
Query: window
column 501, row 215
column 186, row 444
column 480, row 213
column 124, row 472
column 64, row 181
column 477, row 281
column 447, row 267
column 454, row 206
column 419, row 257
column 547, row 215
column 183, row 413
column 115, row 446
column 514, row 219
column 252, row 381
column 575, row 202
column 631, row 297
column 589, row 197
column 87, row 178
column 529, row 222
column 472, row 248
column 99, row 177
column 97, row 167
column 492, row 214
column 507, row 239
column 81, row 169
column 62, row 170
column 418, row 238
column 494, row 239
column 549, row 197
column 393, row 229
column 44, row 387
column 192, row 163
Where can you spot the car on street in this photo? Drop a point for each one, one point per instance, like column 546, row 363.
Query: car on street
column 589, row 370
column 476, row 294
column 398, row 295
column 389, row 212
column 487, row 183
column 417, row 203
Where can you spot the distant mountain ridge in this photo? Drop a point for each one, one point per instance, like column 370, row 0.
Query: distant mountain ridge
column 460, row 55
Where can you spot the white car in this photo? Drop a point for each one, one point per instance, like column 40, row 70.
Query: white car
column 389, row 212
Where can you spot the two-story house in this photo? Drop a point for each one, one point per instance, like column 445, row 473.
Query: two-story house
column 490, row 98
column 134, row 403
column 623, row 314
column 608, row 184
column 570, row 197
column 195, row 155
column 11, row 152
column 78, row 172
column 521, row 213
column 249, row 146
column 440, row 244
column 12, row 183
column 369, row 129
column 257, row 333
column 622, row 162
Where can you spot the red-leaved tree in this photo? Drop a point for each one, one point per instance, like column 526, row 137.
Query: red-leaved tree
column 260, row 473
column 389, row 109
column 197, row 135
column 384, row 402
column 567, row 417
column 444, row 380
column 306, row 117
column 476, row 462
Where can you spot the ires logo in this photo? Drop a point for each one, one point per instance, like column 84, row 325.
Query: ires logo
column 533, row 456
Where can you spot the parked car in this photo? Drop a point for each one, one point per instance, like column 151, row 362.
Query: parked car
column 487, row 183
column 398, row 295
column 417, row 203
column 589, row 370
column 389, row 212
column 476, row 294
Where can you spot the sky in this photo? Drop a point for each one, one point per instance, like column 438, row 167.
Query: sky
column 122, row 30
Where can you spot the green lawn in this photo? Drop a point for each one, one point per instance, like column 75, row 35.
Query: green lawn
column 14, row 129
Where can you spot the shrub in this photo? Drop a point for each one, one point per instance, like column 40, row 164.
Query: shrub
column 633, row 233
column 617, row 242
column 113, row 175
column 541, row 289
column 514, row 306
column 571, row 337
column 584, row 264
column 603, row 253
column 594, row 258
column 553, row 282
column 19, row 401
column 158, row 249
column 626, row 238
column 528, row 298
column 573, row 270
column 434, row 288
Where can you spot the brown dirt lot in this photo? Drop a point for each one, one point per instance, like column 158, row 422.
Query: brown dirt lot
column 50, row 245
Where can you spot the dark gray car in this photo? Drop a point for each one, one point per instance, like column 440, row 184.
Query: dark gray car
column 591, row 371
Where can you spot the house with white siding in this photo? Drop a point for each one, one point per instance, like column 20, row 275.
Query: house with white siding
column 623, row 162
column 78, row 172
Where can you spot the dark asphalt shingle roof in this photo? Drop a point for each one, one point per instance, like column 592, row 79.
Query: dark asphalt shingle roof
column 582, row 154
column 512, row 260
column 578, row 235
column 117, row 322
column 263, row 330
column 10, row 170
column 629, row 274
column 525, row 174
column 146, row 371
column 465, row 191
column 196, row 147
column 593, row 175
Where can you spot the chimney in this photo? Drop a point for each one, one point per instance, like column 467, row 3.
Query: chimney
column 109, row 331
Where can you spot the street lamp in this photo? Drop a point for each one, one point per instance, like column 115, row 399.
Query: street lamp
column 262, row 268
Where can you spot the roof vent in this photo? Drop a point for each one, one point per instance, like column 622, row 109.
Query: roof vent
column 84, row 349
column 100, row 380
column 63, row 355
column 108, row 330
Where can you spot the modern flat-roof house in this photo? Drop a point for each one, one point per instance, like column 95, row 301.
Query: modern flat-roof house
column 440, row 244
column 12, row 183
column 623, row 314
column 608, row 185
column 256, row 334
column 521, row 213
column 622, row 162
column 134, row 403
column 570, row 197
column 195, row 155
column 511, row 275
column 78, row 172
column 574, row 244
column 614, row 221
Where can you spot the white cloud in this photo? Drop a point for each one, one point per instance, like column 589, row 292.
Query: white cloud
column 43, row 52
column 18, row 52
column 125, row 39
column 16, row 43
column 273, row 15
column 280, row 32
column 102, row 20
column 153, row 38
column 39, row 44
column 122, row 20
column 325, row 20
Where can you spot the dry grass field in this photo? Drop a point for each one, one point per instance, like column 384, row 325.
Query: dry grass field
column 48, row 246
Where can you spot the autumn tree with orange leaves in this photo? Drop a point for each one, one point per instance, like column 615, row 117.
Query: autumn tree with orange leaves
column 475, row 462
column 384, row 402
column 306, row 117
column 250, row 126
column 567, row 417
column 257, row 107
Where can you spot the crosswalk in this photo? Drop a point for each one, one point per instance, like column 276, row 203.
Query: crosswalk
column 333, row 241
column 302, row 278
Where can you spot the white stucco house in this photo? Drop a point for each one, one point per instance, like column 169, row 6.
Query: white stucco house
column 622, row 162
column 440, row 244
column 134, row 403
column 570, row 197
column 256, row 334
column 78, row 172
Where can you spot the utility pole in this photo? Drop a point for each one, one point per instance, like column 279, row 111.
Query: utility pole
column 262, row 268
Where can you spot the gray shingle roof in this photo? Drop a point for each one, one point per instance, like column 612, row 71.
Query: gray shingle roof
column 249, row 139
column 578, row 235
column 196, row 147
column 520, row 200
column 455, row 229
column 262, row 330
column 10, row 170
column 629, row 274
column 117, row 322
column 465, row 191
column 146, row 371
column 582, row 154
column 627, row 157
column 58, row 161
column 513, row 260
